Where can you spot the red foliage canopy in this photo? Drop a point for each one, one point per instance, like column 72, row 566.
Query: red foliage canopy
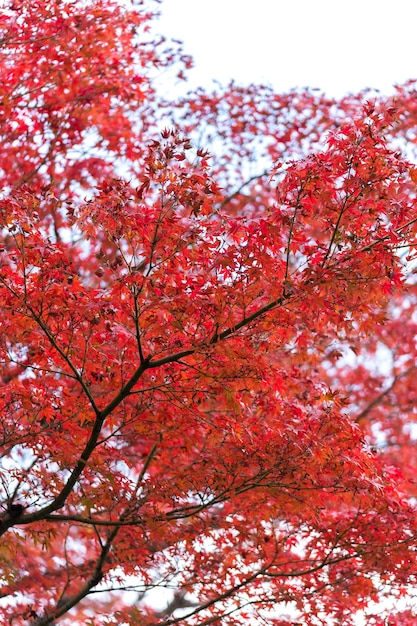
column 208, row 363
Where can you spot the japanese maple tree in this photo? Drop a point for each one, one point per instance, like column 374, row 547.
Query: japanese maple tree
column 207, row 338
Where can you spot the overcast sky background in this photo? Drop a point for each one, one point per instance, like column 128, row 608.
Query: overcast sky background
column 336, row 46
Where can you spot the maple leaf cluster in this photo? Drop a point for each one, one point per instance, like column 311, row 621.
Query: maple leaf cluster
column 207, row 338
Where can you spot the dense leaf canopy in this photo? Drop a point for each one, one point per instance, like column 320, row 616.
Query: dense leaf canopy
column 207, row 338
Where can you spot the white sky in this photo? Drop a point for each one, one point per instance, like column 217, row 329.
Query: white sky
column 338, row 46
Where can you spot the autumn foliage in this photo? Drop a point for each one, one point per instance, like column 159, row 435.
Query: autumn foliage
column 207, row 338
